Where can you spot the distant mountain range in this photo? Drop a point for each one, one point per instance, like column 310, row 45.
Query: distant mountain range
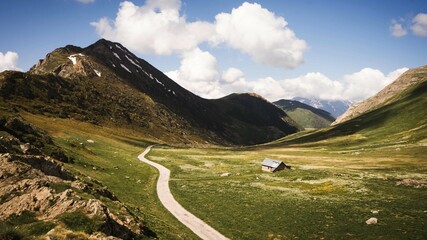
column 334, row 107
column 305, row 115
column 105, row 83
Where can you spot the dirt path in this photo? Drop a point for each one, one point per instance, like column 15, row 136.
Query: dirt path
column 200, row 228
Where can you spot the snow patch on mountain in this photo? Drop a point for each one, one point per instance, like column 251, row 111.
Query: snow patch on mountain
column 97, row 72
column 124, row 67
column 131, row 61
column 73, row 57
column 117, row 55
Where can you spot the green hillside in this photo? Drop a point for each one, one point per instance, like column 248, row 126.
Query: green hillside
column 305, row 115
column 403, row 121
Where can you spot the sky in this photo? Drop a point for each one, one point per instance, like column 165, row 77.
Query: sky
column 330, row 49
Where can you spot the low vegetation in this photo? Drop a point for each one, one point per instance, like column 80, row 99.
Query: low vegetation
column 108, row 155
column 327, row 194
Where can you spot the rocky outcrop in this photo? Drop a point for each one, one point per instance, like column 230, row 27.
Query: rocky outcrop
column 30, row 183
column 404, row 82
column 19, row 134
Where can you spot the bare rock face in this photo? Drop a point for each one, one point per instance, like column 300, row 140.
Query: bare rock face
column 38, row 184
column 405, row 81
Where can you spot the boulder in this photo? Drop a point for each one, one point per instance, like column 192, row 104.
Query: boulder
column 372, row 220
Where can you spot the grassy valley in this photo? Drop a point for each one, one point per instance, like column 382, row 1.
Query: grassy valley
column 327, row 194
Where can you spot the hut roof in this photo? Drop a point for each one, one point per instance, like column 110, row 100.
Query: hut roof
column 271, row 163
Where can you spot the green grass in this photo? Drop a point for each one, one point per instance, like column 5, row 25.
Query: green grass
column 326, row 194
column 23, row 226
column 78, row 221
column 308, row 119
column 111, row 160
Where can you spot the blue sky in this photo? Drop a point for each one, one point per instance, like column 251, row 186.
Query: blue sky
column 349, row 49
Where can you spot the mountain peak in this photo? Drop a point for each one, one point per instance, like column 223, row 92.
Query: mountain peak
column 106, row 82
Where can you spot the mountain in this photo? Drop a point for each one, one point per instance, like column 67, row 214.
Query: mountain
column 389, row 93
column 335, row 107
column 260, row 113
column 395, row 117
column 305, row 115
column 106, row 84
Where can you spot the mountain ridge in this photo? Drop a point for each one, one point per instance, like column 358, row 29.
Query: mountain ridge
column 105, row 82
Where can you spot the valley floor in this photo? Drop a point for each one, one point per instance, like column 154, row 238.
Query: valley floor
column 328, row 194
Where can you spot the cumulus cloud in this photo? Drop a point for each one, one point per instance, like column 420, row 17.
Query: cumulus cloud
column 86, row 1
column 158, row 27
column 313, row 84
column 261, row 34
column 9, row 61
column 198, row 73
column 367, row 82
column 397, row 29
column 419, row 25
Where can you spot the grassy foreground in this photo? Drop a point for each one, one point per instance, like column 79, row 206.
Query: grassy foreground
column 326, row 195
column 108, row 155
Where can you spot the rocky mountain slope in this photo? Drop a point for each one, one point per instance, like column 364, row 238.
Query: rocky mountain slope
column 388, row 94
column 305, row 115
column 39, row 198
column 104, row 83
column 334, row 107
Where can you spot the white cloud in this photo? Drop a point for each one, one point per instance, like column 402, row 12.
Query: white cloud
column 261, row 34
column 86, row 1
column 313, row 84
column 367, row 82
column 397, row 29
column 9, row 61
column 355, row 86
column 232, row 75
column 158, row 27
column 198, row 73
column 419, row 25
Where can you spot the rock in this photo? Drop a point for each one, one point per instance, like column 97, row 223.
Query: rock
column 412, row 183
column 225, row 174
column 29, row 149
column 372, row 220
column 375, row 211
column 90, row 141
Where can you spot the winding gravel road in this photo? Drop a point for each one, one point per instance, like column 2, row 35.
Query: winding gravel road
column 200, row 228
